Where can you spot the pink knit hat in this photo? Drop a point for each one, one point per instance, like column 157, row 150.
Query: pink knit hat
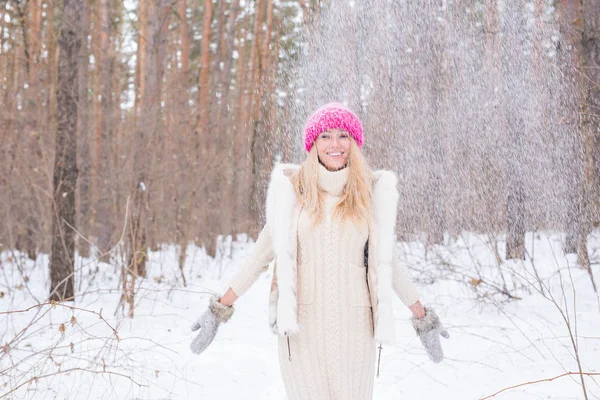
column 332, row 116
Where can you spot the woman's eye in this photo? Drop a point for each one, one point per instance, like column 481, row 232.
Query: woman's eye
column 325, row 137
column 344, row 136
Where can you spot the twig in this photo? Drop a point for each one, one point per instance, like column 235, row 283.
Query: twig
column 36, row 378
column 112, row 249
column 539, row 381
column 518, row 328
column 54, row 304
column 568, row 321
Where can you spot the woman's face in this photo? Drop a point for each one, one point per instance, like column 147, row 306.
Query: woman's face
column 333, row 147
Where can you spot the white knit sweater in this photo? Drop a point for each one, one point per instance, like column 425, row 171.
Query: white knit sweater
column 333, row 356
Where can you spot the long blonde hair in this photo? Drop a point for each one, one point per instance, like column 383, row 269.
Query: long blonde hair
column 356, row 200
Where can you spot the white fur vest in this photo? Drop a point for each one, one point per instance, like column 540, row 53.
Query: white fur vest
column 283, row 210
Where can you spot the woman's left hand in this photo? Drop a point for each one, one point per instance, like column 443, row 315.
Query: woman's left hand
column 429, row 329
column 417, row 309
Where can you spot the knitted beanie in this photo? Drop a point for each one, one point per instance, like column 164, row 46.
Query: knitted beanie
column 332, row 116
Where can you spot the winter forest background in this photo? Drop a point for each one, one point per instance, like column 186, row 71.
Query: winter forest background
column 136, row 143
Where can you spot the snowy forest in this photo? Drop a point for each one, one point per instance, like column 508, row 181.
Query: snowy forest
column 137, row 138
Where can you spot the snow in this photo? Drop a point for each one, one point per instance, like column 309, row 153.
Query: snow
column 495, row 342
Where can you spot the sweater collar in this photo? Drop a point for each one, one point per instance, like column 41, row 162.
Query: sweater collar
column 332, row 182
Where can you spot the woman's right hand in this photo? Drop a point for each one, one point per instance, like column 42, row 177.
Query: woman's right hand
column 208, row 323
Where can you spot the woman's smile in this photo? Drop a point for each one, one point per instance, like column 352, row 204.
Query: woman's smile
column 332, row 147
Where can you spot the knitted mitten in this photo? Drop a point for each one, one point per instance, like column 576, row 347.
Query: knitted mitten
column 208, row 323
column 429, row 328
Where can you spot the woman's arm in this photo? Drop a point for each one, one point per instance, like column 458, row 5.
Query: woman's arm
column 405, row 288
column 257, row 263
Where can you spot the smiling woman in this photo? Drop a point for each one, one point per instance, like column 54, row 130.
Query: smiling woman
column 331, row 231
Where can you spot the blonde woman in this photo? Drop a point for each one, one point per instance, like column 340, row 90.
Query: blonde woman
column 331, row 231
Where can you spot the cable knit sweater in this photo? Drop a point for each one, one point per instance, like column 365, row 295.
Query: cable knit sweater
column 333, row 355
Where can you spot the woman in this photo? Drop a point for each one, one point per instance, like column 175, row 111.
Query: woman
column 331, row 230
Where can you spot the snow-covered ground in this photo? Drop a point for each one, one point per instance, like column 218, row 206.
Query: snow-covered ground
column 57, row 352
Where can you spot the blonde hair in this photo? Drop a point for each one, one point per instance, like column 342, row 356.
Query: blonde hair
column 356, row 200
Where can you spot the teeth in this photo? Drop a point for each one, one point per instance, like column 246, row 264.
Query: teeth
column 335, row 154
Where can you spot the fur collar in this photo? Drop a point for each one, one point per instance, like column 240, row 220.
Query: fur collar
column 281, row 203
column 281, row 212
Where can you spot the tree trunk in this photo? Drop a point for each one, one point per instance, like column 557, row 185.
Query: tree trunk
column 203, row 141
column 35, row 36
column 83, row 135
column 262, row 145
column 244, row 169
column 203, row 92
column 183, row 203
column 513, row 88
column 591, row 127
column 591, row 46
column 65, row 161
column 140, row 65
column 224, row 123
column 571, row 54
column 137, row 236
column 157, row 140
column 240, row 146
column 30, row 19
column 102, row 170
column 147, row 133
column 439, row 86
column 185, row 44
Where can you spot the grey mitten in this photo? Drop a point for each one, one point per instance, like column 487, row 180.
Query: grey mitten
column 429, row 328
column 208, row 323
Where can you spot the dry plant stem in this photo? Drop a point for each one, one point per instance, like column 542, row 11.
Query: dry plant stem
column 591, row 274
column 475, row 261
column 519, row 329
column 183, row 245
column 111, row 250
column 493, row 243
column 541, row 380
column 483, row 281
column 568, row 322
column 181, row 262
column 54, row 304
column 21, row 269
column 565, row 318
column 22, row 331
column 25, row 360
column 504, row 290
column 531, row 257
column 36, row 378
column 496, row 342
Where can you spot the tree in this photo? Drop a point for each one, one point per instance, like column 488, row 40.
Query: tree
column 103, row 167
column 246, row 157
column 513, row 85
column 262, row 144
column 147, row 130
column 84, row 161
column 65, row 160
column 223, row 125
column 590, row 127
column 208, row 165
